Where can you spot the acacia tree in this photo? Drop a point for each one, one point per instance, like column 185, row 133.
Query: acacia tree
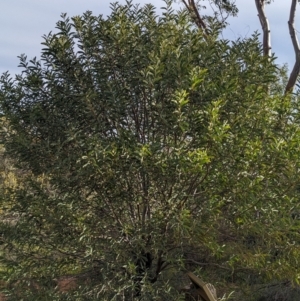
column 149, row 149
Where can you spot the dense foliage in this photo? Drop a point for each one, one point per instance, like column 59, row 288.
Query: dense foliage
column 146, row 151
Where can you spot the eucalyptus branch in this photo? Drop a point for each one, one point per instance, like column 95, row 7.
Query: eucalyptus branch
column 296, row 69
column 193, row 10
column 260, row 5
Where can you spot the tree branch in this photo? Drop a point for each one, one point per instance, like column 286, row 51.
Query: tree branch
column 296, row 70
column 194, row 12
column 260, row 5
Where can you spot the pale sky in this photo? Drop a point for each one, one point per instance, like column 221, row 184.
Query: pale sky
column 23, row 23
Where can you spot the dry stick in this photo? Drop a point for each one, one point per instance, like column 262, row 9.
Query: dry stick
column 260, row 5
column 296, row 70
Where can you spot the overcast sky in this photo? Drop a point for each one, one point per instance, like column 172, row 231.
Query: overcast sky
column 23, row 23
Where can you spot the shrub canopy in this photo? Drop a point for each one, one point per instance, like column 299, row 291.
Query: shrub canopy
column 147, row 150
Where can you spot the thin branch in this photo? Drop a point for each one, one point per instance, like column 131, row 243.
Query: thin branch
column 260, row 5
column 296, row 70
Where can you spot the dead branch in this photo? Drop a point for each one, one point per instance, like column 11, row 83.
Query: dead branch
column 260, row 5
column 296, row 70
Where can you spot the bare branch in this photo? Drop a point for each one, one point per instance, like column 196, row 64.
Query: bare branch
column 296, row 70
column 260, row 5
